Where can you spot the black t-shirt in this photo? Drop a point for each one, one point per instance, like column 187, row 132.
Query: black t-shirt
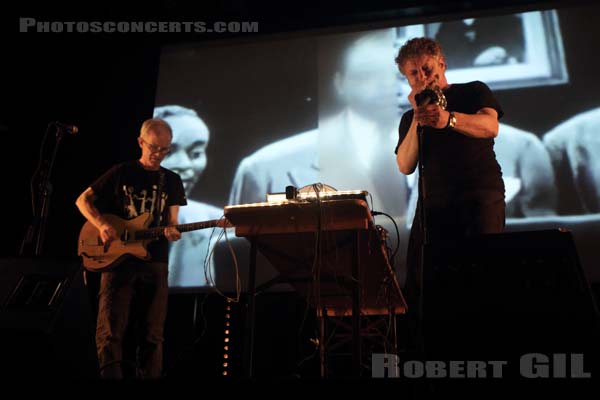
column 453, row 162
column 127, row 190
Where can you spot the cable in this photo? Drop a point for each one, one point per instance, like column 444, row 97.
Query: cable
column 375, row 213
column 209, row 258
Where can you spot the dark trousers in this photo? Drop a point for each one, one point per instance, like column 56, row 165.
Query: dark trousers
column 474, row 213
column 144, row 284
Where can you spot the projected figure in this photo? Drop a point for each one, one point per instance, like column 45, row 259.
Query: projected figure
column 527, row 173
column 356, row 126
column 358, row 117
column 188, row 158
column 135, row 281
column 476, row 42
column 574, row 147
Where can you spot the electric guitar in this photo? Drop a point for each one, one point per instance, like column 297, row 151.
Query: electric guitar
column 133, row 239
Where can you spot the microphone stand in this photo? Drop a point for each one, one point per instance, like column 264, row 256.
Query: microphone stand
column 38, row 226
column 424, row 232
column 433, row 96
column 421, row 198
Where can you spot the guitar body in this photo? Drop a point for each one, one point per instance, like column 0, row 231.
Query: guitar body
column 97, row 257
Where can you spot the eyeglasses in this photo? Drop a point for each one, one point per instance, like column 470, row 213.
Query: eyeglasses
column 157, row 149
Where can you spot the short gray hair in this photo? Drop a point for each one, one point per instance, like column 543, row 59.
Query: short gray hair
column 157, row 125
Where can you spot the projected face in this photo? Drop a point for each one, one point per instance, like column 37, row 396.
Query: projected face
column 188, row 149
column 368, row 81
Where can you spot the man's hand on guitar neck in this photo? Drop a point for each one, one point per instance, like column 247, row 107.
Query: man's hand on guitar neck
column 171, row 233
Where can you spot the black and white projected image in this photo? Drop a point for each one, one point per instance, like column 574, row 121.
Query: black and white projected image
column 478, row 42
column 505, row 51
column 326, row 108
column 243, row 109
column 188, row 261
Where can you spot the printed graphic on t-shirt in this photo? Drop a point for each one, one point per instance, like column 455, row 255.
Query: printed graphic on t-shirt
column 136, row 204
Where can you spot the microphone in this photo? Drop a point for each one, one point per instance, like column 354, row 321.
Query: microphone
column 66, row 128
column 431, row 96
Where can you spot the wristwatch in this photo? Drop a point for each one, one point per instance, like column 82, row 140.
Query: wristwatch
column 451, row 121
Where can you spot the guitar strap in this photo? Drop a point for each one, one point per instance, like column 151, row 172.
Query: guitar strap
column 161, row 202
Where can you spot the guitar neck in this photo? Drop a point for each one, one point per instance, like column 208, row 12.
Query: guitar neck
column 156, row 232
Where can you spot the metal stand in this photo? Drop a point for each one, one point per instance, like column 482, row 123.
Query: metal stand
column 427, row 96
column 421, row 201
column 37, row 229
column 348, row 257
column 250, row 312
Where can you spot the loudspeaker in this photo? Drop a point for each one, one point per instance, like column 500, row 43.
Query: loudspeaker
column 46, row 328
column 518, row 292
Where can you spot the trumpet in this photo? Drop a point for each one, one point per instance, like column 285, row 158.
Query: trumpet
column 431, row 96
